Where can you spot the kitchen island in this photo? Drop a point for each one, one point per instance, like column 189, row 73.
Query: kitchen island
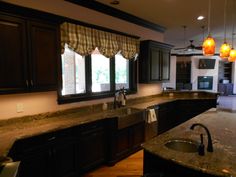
column 222, row 162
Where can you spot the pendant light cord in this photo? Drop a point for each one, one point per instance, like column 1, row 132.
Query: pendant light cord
column 209, row 17
column 225, row 21
column 233, row 18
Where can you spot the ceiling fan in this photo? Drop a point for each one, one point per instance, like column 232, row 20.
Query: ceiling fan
column 190, row 47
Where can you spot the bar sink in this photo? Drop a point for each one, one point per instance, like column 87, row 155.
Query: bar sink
column 183, row 145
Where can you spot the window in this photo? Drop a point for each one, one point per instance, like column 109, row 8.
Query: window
column 95, row 76
column 100, row 72
column 121, row 72
column 73, row 73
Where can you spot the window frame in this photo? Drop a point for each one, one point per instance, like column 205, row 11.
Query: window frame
column 89, row 95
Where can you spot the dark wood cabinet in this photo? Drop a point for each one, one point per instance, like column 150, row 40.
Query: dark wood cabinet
column 28, row 55
column 125, row 141
column 43, row 61
column 47, row 155
column 65, row 161
column 91, row 146
column 167, row 118
column 13, row 54
column 174, row 113
column 154, row 62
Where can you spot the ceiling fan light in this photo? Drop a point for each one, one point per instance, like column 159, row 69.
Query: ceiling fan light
column 225, row 50
column 232, row 55
column 209, row 46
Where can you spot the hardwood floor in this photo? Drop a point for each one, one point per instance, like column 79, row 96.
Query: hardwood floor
column 129, row 167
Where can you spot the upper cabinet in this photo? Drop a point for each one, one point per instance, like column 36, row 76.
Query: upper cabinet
column 13, row 54
column 44, row 54
column 28, row 55
column 154, row 62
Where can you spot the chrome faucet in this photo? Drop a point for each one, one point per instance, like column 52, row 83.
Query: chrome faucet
column 209, row 145
column 119, row 98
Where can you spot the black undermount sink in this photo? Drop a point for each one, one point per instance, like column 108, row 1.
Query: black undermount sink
column 183, row 145
column 127, row 116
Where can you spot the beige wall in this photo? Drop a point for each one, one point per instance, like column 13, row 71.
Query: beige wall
column 34, row 103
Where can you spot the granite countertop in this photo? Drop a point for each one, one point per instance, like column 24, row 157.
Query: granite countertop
column 222, row 162
column 19, row 128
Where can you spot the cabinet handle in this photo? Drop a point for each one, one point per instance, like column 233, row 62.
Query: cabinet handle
column 27, row 83
column 52, row 138
column 31, row 82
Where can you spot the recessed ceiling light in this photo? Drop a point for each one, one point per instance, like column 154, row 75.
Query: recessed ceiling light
column 115, row 2
column 200, row 17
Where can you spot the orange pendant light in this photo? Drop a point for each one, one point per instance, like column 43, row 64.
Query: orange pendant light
column 232, row 55
column 225, row 47
column 225, row 50
column 209, row 45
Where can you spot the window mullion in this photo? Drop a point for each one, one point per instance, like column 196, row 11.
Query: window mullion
column 74, row 73
column 112, row 74
column 88, row 70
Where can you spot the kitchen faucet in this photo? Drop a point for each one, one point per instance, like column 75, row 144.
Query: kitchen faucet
column 119, row 98
column 209, row 146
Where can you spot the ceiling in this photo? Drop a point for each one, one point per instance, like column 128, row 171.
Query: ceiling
column 173, row 14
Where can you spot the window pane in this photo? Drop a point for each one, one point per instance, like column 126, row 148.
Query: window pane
column 73, row 72
column 121, row 72
column 100, row 72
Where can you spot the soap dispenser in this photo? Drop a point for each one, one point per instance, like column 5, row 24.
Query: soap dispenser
column 201, row 148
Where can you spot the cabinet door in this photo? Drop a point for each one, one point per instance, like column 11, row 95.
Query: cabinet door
column 138, row 132
column 44, row 54
column 123, row 142
column 35, row 163
column 65, row 158
column 155, row 64
column 91, row 149
column 12, row 54
column 165, row 65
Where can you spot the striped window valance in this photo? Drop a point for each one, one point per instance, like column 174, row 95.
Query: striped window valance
column 83, row 40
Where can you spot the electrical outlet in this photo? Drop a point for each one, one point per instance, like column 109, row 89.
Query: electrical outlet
column 19, row 107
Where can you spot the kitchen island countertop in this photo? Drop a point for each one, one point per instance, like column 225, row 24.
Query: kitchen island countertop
column 221, row 162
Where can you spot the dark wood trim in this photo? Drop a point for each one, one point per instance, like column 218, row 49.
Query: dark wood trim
column 91, row 4
column 15, row 10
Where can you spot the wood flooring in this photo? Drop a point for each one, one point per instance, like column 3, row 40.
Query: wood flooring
column 129, row 167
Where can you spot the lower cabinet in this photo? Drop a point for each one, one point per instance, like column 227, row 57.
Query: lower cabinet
column 65, row 153
column 91, row 146
column 65, row 158
column 174, row 113
column 47, row 155
column 123, row 142
column 35, row 163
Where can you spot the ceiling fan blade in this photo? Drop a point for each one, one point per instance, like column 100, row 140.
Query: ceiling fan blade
column 198, row 47
column 180, row 48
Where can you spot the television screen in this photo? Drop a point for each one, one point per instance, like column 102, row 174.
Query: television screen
column 206, row 64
